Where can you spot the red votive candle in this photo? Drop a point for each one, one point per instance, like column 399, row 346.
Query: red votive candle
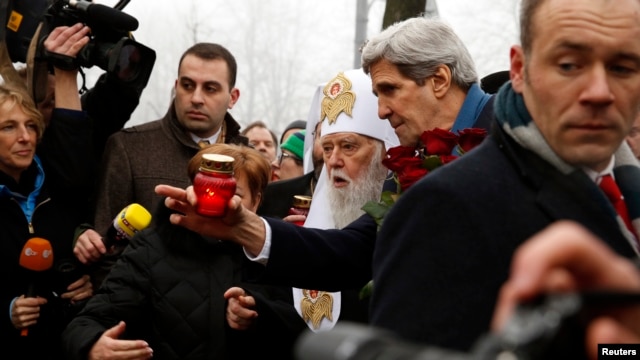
column 214, row 184
column 301, row 205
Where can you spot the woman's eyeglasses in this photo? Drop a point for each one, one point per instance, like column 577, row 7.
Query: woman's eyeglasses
column 286, row 155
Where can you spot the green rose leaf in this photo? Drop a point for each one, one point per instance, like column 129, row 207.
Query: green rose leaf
column 366, row 290
column 431, row 162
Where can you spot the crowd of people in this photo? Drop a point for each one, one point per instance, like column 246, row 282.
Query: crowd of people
column 525, row 213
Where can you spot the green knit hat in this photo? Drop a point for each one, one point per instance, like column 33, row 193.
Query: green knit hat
column 295, row 144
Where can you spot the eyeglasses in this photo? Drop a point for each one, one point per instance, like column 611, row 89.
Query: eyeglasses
column 286, row 155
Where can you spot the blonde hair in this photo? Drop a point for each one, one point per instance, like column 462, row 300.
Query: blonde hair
column 13, row 96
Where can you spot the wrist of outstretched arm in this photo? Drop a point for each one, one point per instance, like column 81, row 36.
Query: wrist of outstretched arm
column 257, row 241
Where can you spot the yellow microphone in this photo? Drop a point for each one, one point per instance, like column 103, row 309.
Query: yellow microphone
column 132, row 219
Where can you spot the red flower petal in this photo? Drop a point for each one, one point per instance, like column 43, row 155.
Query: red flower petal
column 439, row 142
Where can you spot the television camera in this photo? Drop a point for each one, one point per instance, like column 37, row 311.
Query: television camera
column 111, row 46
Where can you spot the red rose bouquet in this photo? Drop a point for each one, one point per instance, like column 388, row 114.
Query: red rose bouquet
column 411, row 164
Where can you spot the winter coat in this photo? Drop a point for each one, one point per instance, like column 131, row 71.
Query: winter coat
column 32, row 209
column 168, row 287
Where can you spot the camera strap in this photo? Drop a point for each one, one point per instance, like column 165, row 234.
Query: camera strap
column 60, row 61
column 7, row 71
column 37, row 72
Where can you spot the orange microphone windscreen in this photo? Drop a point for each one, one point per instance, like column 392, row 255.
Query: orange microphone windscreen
column 37, row 255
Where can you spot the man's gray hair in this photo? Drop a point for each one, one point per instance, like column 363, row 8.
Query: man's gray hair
column 417, row 46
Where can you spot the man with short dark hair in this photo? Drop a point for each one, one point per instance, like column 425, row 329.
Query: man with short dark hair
column 138, row 158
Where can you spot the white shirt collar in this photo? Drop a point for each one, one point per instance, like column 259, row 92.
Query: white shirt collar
column 596, row 176
column 212, row 139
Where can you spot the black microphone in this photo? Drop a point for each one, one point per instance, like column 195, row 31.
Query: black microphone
column 67, row 271
column 104, row 16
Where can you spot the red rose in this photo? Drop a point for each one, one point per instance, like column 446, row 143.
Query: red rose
column 445, row 159
column 470, row 138
column 400, row 157
column 409, row 176
column 439, row 142
column 400, row 152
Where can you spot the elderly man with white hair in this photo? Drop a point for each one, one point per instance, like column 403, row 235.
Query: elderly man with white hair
column 353, row 144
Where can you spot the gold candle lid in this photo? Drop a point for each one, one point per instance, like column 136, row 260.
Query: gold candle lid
column 217, row 163
column 302, row 201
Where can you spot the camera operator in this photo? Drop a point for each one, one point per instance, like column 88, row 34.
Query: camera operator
column 109, row 105
column 110, row 46
column 98, row 102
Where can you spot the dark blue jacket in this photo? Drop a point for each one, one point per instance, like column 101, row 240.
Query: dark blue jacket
column 446, row 246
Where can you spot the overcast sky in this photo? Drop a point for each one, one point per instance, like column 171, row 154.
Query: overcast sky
column 284, row 48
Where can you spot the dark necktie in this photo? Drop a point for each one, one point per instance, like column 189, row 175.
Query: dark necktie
column 203, row 143
column 610, row 188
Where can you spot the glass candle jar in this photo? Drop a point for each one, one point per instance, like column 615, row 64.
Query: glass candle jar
column 214, row 184
column 301, row 205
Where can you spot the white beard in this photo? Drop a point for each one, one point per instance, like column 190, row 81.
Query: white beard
column 346, row 202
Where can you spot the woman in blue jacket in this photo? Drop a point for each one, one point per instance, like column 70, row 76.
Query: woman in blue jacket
column 37, row 303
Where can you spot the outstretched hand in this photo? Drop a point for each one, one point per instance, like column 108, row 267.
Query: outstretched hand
column 184, row 201
column 239, row 224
